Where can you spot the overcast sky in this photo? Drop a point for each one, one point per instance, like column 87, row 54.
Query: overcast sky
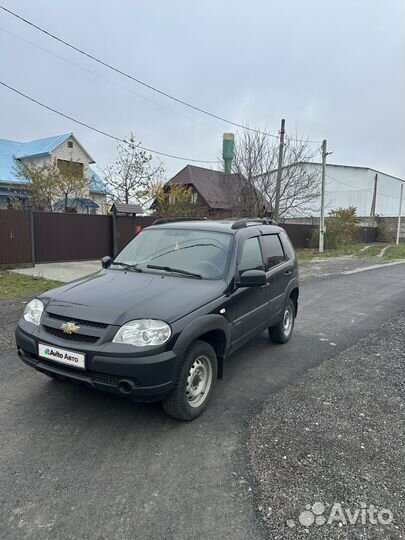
column 334, row 69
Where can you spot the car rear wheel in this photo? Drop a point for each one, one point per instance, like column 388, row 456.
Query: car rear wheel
column 195, row 383
column 282, row 332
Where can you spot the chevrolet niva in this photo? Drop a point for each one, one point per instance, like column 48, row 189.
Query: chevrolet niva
column 158, row 321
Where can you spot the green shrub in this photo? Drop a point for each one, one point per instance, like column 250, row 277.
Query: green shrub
column 341, row 225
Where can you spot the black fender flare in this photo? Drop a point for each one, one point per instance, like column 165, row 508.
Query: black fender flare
column 291, row 286
column 199, row 327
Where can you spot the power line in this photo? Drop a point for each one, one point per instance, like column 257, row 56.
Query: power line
column 357, row 190
column 106, row 79
column 100, row 131
column 139, row 81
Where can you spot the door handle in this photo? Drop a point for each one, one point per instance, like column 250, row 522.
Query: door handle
column 288, row 272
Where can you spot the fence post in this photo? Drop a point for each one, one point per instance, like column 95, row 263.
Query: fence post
column 32, row 235
column 114, row 232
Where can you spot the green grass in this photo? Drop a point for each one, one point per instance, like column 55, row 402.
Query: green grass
column 351, row 249
column 395, row 252
column 16, row 285
column 372, row 251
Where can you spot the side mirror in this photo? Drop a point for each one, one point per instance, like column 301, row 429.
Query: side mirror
column 106, row 261
column 252, row 278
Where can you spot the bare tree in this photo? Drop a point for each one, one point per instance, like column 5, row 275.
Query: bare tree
column 48, row 182
column 130, row 176
column 256, row 158
column 71, row 182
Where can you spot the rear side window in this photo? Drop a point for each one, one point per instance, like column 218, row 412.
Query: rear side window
column 288, row 248
column 273, row 250
column 251, row 258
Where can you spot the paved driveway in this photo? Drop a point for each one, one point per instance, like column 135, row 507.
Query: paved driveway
column 61, row 271
column 80, row 464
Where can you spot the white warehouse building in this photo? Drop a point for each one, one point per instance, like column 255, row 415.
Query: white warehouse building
column 354, row 186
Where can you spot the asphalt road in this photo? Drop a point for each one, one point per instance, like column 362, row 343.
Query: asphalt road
column 81, row 464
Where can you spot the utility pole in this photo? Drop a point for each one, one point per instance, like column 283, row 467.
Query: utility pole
column 279, row 169
column 322, row 217
column 399, row 215
column 374, row 201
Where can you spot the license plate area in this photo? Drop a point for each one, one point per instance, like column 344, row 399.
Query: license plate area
column 62, row 356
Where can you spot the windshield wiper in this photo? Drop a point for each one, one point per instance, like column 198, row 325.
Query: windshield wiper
column 176, row 270
column 128, row 266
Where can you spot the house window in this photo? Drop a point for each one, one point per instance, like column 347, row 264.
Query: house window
column 70, row 168
column 194, row 197
column 70, row 144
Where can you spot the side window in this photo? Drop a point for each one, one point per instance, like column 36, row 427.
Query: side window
column 288, row 248
column 273, row 250
column 251, row 258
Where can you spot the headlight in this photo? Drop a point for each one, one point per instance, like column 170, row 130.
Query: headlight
column 33, row 311
column 143, row 332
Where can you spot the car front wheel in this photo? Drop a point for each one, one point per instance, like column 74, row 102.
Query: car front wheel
column 282, row 331
column 194, row 384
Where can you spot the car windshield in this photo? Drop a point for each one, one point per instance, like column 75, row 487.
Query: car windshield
column 202, row 254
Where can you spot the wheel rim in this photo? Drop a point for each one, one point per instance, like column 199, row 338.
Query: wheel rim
column 199, row 381
column 288, row 321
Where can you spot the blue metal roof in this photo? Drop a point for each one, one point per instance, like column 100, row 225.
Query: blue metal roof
column 14, row 149
column 87, row 203
column 74, row 203
column 96, row 183
column 41, row 147
column 7, row 150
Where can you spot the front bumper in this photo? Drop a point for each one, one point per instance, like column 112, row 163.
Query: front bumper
column 111, row 367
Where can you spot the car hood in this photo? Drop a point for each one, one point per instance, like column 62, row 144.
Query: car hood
column 117, row 296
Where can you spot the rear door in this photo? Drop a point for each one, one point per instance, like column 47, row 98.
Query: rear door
column 278, row 271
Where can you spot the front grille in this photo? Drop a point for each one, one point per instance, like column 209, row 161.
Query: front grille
column 62, row 318
column 70, row 337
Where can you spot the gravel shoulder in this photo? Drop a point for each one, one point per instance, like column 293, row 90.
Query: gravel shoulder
column 319, row 268
column 335, row 437
column 10, row 311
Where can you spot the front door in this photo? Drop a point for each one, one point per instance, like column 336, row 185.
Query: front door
column 249, row 306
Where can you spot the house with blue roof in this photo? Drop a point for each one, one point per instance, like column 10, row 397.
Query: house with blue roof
column 57, row 150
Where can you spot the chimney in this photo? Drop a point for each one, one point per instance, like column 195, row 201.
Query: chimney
column 228, row 144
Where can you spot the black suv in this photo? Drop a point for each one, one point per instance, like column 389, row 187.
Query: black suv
column 159, row 321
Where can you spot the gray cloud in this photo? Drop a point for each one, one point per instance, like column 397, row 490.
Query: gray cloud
column 333, row 69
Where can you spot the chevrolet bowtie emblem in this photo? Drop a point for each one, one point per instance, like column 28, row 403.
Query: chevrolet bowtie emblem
column 69, row 327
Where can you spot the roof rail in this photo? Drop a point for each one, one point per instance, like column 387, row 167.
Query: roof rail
column 161, row 221
column 245, row 222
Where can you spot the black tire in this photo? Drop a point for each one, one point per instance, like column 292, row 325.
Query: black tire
column 186, row 401
column 280, row 332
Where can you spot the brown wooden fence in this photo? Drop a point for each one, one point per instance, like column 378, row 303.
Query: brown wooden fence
column 27, row 237
column 71, row 237
column 300, row 235
column 366, row 235
column 128, row 227
column 50, row 237
column 15, row 237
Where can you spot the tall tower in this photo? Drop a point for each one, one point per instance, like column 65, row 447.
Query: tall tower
column 228, row 145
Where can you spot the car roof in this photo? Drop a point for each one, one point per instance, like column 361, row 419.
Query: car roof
column 224, row 226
